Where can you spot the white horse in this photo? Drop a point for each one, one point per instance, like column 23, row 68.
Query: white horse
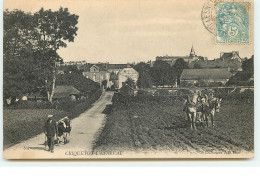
column 191, row 108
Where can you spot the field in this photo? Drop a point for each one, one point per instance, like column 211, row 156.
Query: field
column 156, row 125
column 25, row 123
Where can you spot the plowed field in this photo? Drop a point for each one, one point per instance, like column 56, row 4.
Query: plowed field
column 161, row 125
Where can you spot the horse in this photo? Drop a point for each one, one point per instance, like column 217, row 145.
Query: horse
column 210, row 108
column 191, row 108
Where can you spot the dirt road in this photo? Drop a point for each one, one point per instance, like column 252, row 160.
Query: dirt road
column 85, row 129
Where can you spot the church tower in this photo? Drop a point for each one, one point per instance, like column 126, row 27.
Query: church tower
column 192, row 52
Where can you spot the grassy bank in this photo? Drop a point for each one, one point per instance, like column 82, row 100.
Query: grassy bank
column 24, row 123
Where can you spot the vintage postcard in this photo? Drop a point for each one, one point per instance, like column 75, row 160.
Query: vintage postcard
column 128, row 79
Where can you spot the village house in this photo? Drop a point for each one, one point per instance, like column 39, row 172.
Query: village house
column 97, row 72
column 126, row 73
column 109, row 72
column 115, row 68
column 234, row 55
column 193, row 76
column 65, row 92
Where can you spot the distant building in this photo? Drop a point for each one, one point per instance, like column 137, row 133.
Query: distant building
column 66, row 91
column 172, row 59
column 75, row 63
column 114, row 74
column 126, row 73
column 116, row 68
column 229, row 60
column 234, row 55
column 193, row 76
column 96, row 72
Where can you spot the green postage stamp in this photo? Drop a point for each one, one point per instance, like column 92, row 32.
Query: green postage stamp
column 232, row 22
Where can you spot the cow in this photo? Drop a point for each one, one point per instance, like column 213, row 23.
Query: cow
column 63, row 129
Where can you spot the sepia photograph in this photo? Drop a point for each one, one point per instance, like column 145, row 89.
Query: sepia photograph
column 128, row 79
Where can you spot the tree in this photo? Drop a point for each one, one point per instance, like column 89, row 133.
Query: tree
column 104, row 83
column 178, row 68
column 84, row 85
column 54, row 29
column 248, row 65
column 144, row 79
column 160, row 73
column 18, row 44
column 30, row 53
column 71, row 69
column 201, row 58
column 243, row 76
column 130, row 82
column 197, row 65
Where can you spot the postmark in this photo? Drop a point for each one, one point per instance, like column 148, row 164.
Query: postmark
column 232, row 22
column 208, row 16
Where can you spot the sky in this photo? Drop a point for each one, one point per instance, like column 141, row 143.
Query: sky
column 121, row 31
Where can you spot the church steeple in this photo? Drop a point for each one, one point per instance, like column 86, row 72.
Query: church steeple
column 192, row 52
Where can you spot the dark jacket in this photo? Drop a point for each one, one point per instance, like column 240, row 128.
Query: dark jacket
column 50, row 128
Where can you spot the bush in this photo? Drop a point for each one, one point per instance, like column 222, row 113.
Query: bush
column 144, row 93
column 186, row 84
column 74, row 107
column 216, row 84
column 183, row 92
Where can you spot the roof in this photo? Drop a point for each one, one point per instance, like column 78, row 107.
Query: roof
column 168, row 58
column 102, row 67
column 117, row 66
column 65, row 91
column 229, row 55
column 218, row 73
column 217, row 63
column 127, row 71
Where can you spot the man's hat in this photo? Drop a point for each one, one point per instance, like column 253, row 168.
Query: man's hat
column 50, row 115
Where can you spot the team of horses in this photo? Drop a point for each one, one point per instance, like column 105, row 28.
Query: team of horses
column 201, row 108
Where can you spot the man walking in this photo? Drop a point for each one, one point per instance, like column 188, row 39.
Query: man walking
column 50, row 130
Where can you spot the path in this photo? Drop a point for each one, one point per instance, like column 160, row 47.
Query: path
column 85, row 129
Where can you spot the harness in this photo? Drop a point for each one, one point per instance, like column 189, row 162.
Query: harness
column 190, row 102
column 211, row 106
